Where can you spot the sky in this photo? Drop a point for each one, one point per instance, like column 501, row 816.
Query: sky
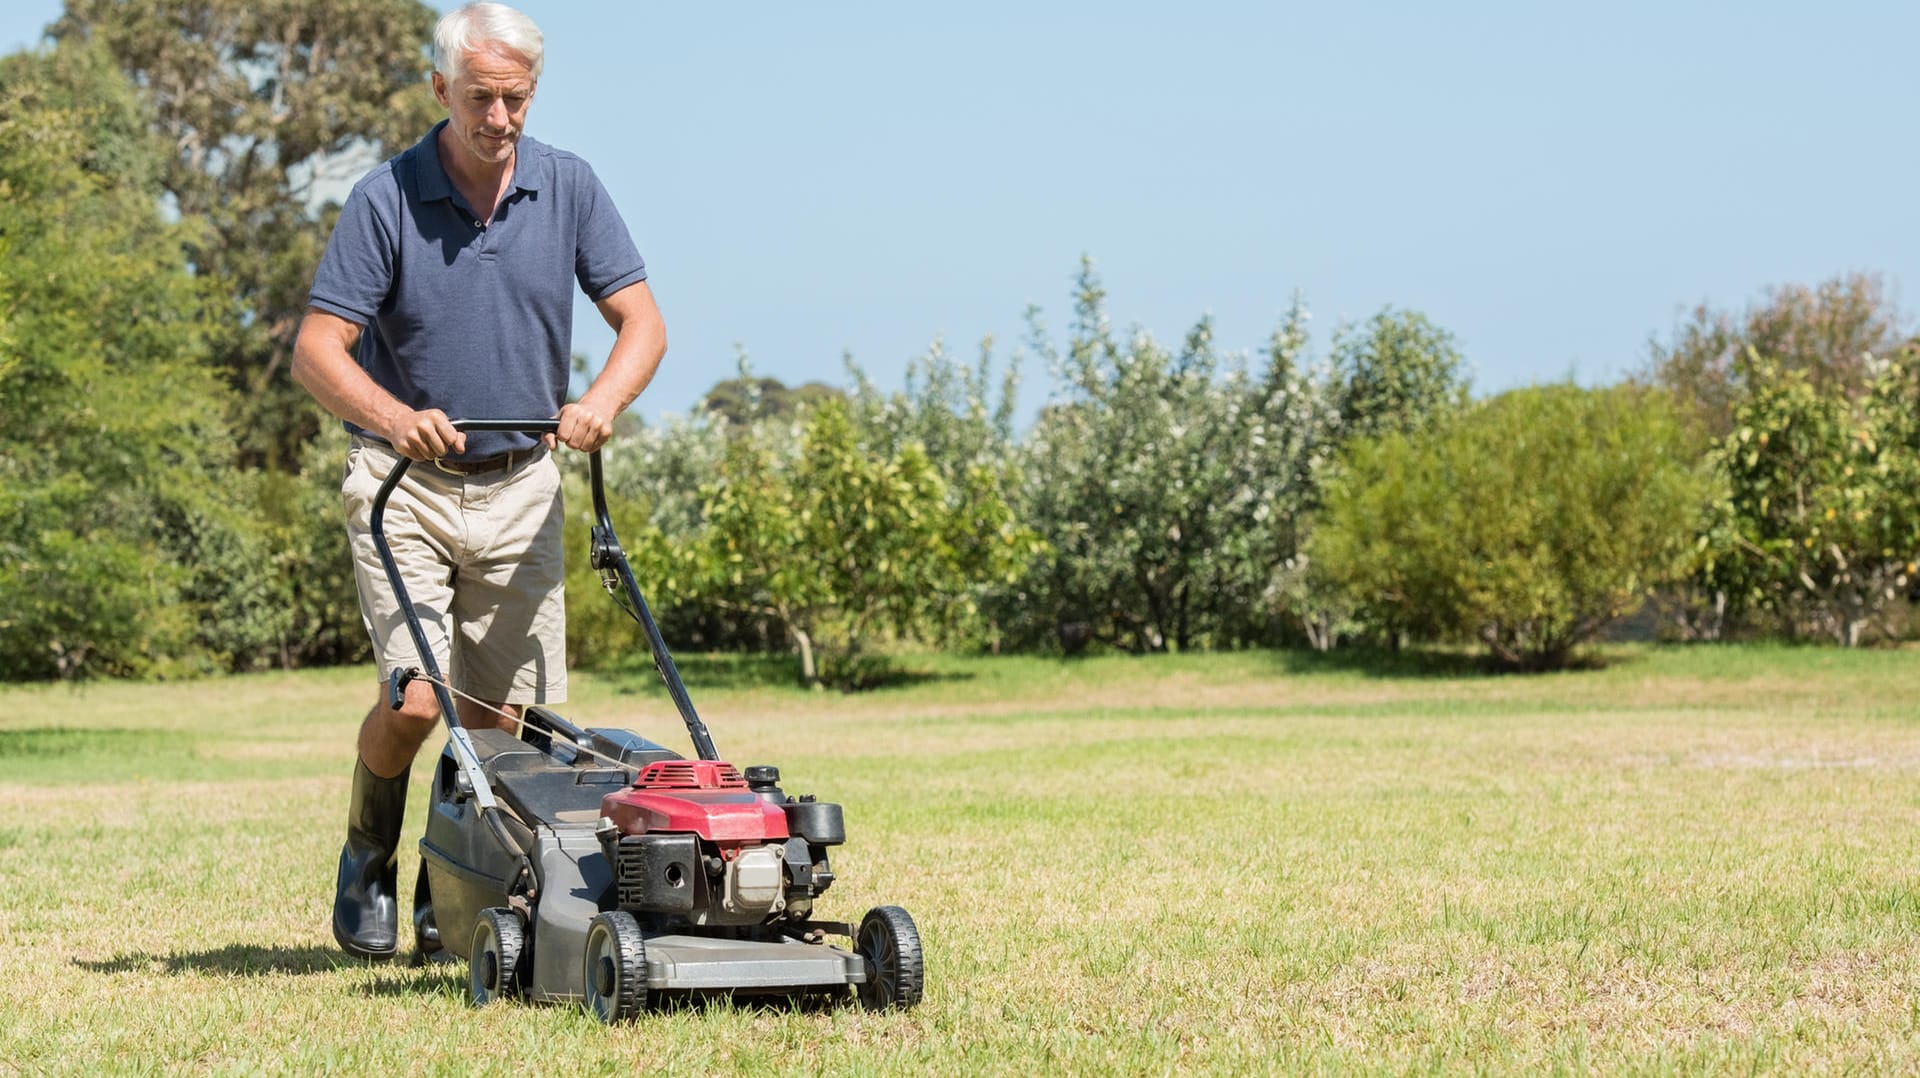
column 1555, row 184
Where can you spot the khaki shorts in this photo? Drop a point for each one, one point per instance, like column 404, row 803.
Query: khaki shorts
column 482, row 559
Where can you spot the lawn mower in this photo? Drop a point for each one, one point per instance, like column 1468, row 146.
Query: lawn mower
column 593, row 865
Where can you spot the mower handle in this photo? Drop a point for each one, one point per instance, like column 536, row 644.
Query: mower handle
column 605, row 555
column 511, row 426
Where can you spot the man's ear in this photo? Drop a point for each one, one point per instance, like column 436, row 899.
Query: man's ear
column 440, row 91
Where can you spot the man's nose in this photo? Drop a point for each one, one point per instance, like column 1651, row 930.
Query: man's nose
column 497, row 114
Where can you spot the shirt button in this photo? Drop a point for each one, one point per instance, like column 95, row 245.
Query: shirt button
column 477, row 224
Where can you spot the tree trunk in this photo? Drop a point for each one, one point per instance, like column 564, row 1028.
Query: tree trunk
column 807, row 672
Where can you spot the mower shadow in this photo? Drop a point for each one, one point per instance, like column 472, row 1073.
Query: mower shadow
column 254, row 960
column 235, row 958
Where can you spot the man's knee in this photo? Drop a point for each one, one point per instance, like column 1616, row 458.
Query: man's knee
column 417, row 714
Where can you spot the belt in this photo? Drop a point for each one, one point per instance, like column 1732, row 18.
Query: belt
column 486, row 464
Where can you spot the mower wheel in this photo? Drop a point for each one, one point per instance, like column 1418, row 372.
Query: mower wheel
column 896, row 972
column 615, row 967
column 493, row 967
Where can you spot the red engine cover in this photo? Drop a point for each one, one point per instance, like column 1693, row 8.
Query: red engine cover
column 707, row 797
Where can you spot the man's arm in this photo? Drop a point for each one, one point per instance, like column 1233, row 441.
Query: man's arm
column 640, row 339
column 323, row 363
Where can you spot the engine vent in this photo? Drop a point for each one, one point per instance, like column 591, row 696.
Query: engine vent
column 655, row 873
column 690, row 775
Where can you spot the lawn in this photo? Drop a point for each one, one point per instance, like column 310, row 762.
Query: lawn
column 1690, row 860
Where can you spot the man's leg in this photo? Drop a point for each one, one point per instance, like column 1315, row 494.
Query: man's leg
column 423, row 531
column 365, row 906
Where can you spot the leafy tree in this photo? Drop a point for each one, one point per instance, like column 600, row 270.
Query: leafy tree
column 948, row 410
column 1828, row 333
column 1818, row 526
column 1169, row 485
column 113, row 444
column 267, row 107
column 1527, row 524
column 841, row 547
column 745, row 399
column 1395, row 372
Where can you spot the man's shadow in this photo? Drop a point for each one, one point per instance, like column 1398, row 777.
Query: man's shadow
column 255, row 960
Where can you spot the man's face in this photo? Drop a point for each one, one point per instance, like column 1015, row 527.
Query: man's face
column 487, row 104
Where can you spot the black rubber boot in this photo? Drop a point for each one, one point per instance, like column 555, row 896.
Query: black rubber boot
column 365, row 912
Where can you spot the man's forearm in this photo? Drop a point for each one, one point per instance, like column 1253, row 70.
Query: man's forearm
column 323, row 364
column 640, row 340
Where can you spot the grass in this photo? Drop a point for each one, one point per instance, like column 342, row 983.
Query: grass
column 1689, row 860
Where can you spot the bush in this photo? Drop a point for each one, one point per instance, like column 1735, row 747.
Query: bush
column 1527, row 524
column 1818, row 527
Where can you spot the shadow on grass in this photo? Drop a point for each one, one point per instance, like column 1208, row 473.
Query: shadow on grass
column 429, row 980
column 253, row 960
column 1419, row 663
column 715, row 671
column 398, row 978
column 235, row 958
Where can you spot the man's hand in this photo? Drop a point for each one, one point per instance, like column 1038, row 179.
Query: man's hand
column 582, row 427
column 424, row 435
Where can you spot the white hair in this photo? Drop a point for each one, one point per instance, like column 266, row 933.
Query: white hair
column 474, row 26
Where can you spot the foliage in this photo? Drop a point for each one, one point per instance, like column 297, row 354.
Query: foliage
column 1818, row 527
column 948, row 409
column 268, row 108
column 113, row 446
column 1527, row 524
column 1169, row 486
column 745, row 400
column 1396, row 372
column 838, row 545
column 1826, row 333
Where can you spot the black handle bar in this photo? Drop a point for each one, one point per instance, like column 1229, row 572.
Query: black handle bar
column 512, row 426
column 605, row 553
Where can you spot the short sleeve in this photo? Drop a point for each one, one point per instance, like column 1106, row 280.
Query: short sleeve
column 356, row 272
column 605, row 259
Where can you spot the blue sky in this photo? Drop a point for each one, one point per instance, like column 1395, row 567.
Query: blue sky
column 1552, row 183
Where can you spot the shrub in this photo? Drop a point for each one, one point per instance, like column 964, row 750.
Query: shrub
column 1527, row 524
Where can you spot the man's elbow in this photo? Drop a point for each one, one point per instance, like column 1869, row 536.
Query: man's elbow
column 303, row 354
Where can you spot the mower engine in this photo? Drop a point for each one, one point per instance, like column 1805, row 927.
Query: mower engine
column 696, row 841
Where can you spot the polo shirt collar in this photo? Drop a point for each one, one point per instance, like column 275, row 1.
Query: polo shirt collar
column 433, row 183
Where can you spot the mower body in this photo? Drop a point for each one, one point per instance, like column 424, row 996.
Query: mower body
column 568, row 864
column 719, row 876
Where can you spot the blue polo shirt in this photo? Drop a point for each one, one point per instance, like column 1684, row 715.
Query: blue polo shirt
column 473, row 319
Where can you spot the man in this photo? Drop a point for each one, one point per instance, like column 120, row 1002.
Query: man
column 447, row 291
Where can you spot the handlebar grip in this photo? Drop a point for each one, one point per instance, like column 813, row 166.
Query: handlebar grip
column 513, row 426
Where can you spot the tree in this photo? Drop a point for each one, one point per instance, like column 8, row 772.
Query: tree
column 948, row 410
column 1396, row 372
column 840, row 546
column 744, row 399
column 1169, row 485
column 1527, row 523
column 267, row 108
column 113, row 443
column 1818, row 525
column 1827, row 333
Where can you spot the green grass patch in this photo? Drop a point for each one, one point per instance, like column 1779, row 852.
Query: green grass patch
column 1697, row 860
